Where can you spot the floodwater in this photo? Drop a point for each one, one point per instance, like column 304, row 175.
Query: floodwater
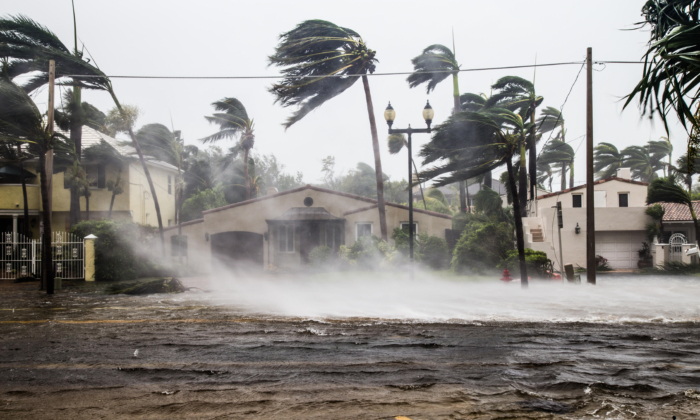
column 355, row 347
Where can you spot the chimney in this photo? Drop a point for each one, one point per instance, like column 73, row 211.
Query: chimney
column 624, row 173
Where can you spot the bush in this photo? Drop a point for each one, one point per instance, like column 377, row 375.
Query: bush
column 119, row 249
column 482, row 247
column 434, row 252
column 208, row 199
column 367, row 252
column 321, row 256
column 537, row 263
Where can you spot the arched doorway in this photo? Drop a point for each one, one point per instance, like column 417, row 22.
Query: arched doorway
column 238, row 250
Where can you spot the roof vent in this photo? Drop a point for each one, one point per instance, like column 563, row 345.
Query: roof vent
column 308, row 201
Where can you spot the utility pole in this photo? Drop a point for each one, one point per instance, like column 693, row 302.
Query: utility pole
column 560, row 224
column 46, row 260
column 590, row 199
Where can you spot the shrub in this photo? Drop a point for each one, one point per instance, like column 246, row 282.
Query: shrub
column 482, row 246
column 537, row 263
column 120, row 249
column 366, row 252
column 434, row 252
column 208, row 199
column 321, row 256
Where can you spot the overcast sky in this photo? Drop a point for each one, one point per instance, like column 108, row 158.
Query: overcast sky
column 234, row 38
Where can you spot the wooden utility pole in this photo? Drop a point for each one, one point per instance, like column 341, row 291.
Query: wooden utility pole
column 590, row 198
column 47, row 169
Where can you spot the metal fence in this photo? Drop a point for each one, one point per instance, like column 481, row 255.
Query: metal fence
column 21, row 255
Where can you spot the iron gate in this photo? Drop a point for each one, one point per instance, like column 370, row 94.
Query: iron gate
column 21, row 256
column 676, row 243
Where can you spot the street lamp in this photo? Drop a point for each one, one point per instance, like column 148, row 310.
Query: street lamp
column 390, row 116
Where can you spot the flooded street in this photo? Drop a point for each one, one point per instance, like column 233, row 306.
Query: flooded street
column 237, row 353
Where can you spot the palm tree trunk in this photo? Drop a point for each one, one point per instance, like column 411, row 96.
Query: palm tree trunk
column 46, row 256
column 463, row 196
column 377, row 159
column 457, row 107
column 146, row 172
column 87, row 204
column 522, row 191
column 563, row 176
column 76, row 136
column 415, row 170
column 518, row 225
column 533, row 157
column 114, row 192
column 25, row 226
column 178, row 209
column 571, row 174
column 469, row 200
column 245, row 173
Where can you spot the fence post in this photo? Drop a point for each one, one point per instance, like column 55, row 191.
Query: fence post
column 89, row 256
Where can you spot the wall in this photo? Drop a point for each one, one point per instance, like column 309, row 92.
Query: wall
column 198, row 248
column 139, row 193
column 637, row 195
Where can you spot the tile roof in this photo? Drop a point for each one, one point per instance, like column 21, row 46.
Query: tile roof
column 612, row 178
column 676, row 212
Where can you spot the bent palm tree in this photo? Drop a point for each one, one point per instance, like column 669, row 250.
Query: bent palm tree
column 518, row 95
column 556, row 152
column 607, row 160
column 321, row 60
column 471, row 143
column 396, row 143
column 233, row 121
column 434, row 65
column 643, row 164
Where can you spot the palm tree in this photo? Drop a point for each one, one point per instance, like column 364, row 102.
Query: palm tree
column 21, row 121
column 545, row 173
column 518, row 95
column 607, row 160
column 396, row 143
column 434, row 65
column 665, row 190
column 470, row 143
column 233, row 121
column 321, row 60
column 169, row 146
column 663, row 148
column 670, row 155
column 643, row 164
column 557, row 152
column 12, row 153
column 671, row 64
column 107, row 155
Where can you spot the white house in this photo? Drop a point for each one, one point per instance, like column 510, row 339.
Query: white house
column 620, row 220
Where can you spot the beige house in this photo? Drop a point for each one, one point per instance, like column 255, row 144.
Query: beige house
column 620, row 218
column 281, row 229
column 135, row 204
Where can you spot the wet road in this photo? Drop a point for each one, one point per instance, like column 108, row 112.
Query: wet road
column 73, row 356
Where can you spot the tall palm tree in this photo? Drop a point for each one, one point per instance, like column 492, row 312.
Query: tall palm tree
column 665, row 190
column 396, row 143
column 518, row 95
column 107, row 155
column 643, row 163
column 21, row 121
column 470, row 143
column 168, row 146
column 31, row 46
column 557, row 152
column 607, row 160
column 670, row 155
column 434, row 65
column 545, row 173
column 233, row 121
column 321, row 60
column 663, row 148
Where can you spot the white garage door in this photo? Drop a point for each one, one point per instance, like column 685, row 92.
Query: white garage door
column 620, row 248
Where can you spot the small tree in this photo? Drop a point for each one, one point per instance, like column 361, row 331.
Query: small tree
column 666, row 190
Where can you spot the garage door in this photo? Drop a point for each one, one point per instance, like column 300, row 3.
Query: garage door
column 620, row 248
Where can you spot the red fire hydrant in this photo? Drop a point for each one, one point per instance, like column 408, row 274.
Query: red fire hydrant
column 506, row 275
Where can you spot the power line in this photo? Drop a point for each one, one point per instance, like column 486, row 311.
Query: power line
column 401, row 73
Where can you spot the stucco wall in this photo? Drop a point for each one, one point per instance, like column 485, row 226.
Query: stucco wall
column 139, row 194
column 637, row 195
column 198, row 248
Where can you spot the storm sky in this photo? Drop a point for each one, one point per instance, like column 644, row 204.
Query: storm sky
column 234, row 38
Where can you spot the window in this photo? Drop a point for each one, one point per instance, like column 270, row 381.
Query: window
column 623, row 199
column 285, row 236
column 96, row 176
column 363, row 229
column 578, row 200
column 178, row 246
column 405, row 225
column 170, row 184
column 332, row 236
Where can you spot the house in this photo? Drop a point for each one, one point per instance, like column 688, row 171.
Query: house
column 620, row 220
column 679, row 234
column 135, row 204
column 281, row 229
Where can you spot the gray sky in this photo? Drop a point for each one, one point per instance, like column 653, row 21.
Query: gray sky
column 234, row 38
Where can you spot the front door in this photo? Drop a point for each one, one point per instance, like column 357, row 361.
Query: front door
column 310, row 238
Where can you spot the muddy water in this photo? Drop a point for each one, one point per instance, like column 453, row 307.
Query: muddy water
column 209, row 355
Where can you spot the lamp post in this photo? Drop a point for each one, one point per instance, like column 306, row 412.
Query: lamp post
column 389, row 116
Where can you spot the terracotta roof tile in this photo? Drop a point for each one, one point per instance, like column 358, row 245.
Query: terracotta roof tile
column 676, row 212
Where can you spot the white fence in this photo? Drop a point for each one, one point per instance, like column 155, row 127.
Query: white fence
column 21, row 256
